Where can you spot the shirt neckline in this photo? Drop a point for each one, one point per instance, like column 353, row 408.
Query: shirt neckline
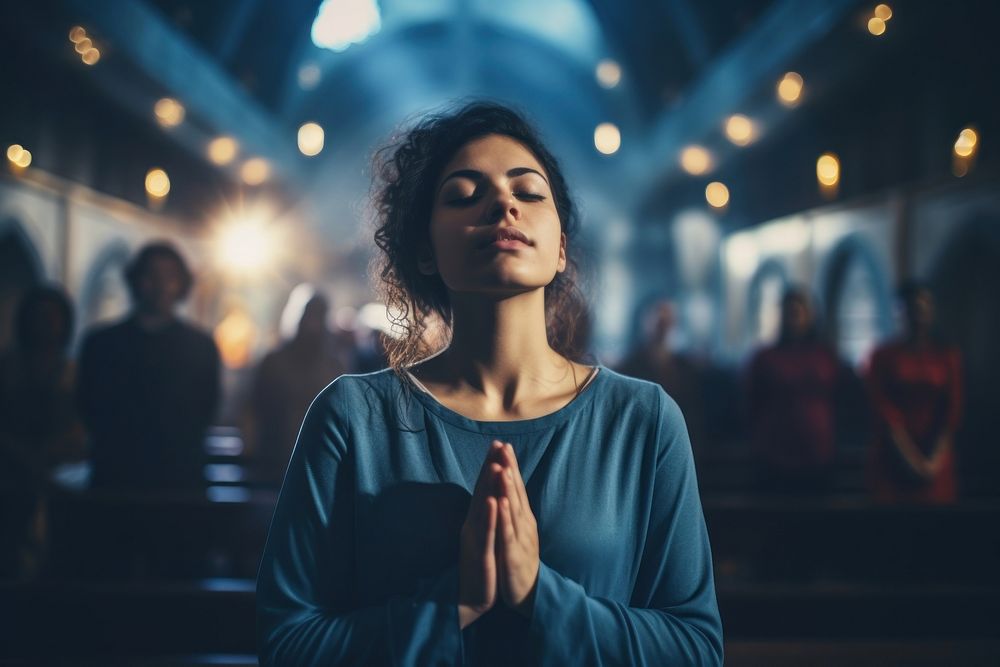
column 516, row 426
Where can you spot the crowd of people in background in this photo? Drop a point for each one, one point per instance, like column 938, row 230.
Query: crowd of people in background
column 138, row 402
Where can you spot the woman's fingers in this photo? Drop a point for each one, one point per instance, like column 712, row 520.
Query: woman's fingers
column 489, row 541
column 485, row 485
column 509, row 496
column 506, row 528
column 522, row 493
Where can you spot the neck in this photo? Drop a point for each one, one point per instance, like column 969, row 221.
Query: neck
column 500, row 346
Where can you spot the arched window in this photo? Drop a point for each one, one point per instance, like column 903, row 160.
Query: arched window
column 857, row 301
column 764, row 304
column 105, row 296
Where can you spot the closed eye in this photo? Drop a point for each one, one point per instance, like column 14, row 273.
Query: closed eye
column 460, row 202
column 469, row 200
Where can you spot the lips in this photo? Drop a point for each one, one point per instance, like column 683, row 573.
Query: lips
column 506, row 234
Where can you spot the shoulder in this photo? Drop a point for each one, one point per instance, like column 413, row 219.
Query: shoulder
column 636, row 397
column 358, row 391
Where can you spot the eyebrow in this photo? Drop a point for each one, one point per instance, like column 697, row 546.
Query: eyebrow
column 474, row 175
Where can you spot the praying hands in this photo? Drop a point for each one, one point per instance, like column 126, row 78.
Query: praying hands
column 499, row 541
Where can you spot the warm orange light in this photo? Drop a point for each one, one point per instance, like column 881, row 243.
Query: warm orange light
column 234, row 336
column 157, row 183
column 19, row 156
column 76, row 33
column 966, row 143
column 790, row 89
column 90, row 56
column 883, row 12
column 169, row 112
column 828, row 169
column 876, row 26
column 222, row 150
column 717, row 194
column 740, row 129
column 83, row 45
column 696, row 160
column 255, row 171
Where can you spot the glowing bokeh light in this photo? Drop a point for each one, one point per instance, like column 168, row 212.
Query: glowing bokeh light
column 255, row 171
column 169, row 112
column 790, row 89
column 740, row 130
column 966, row 143
column 717, row 194
column 883, row 12
column 340, row 23
column 696, row 160
column 311, row 138
column 608, row 73
column 91, row 56
column 83, row 44
column 828, row 169
column 245, row 245
column 876, row 26
column 607, row 138
column 222, row 150
column 157, row 183
column 19, row 156
column 234, row 336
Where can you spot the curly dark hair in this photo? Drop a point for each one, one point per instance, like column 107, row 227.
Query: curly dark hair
column 406, row 170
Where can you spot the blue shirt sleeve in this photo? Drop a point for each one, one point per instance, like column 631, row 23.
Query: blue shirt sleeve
column 673, row 616
column 306, row 606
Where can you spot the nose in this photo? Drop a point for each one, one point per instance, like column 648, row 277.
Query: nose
column 504, row 205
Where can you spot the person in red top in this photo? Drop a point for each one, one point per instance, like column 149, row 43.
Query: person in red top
column 915, row 383
column 792, row 390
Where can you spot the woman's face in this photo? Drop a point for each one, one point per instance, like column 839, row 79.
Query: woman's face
column 494, row 226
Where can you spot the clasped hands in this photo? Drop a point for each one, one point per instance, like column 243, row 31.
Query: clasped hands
column 499, row 542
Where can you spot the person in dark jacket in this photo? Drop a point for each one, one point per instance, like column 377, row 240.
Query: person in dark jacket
column 149, row 385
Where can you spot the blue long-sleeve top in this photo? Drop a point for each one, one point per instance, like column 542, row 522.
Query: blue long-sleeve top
column 360, row 566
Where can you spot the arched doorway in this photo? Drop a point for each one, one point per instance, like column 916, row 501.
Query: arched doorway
column 105, row 296
column 856, row 301
column 764, row 304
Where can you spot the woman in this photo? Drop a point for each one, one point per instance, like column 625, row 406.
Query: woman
column 792, row 388
column 916, row 390
column 498, row 502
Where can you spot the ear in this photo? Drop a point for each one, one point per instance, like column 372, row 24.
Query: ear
column 561, row 266
column 425, row 260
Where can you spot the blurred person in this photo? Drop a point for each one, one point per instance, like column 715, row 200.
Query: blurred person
column 39, row 424
column 791, row 396
column 495, row 501
column 38, row 416
column 149, row 385
column 289, row 378
column 915, row 383
column 654, row 359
